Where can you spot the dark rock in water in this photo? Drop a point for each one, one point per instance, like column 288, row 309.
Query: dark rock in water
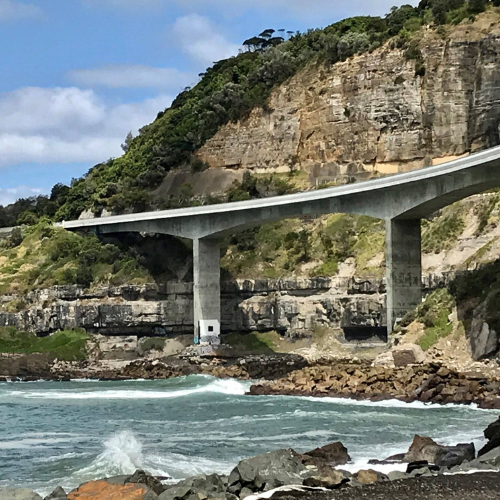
column 492, row 434
column 269, row 471
column 451, row 456
column 394, row 459
column 332, row 455
column 57, row 494
column 203, row 486
column 426, row 449
column 492, row 430
column 141, row 477
column 18, row 494
column 421, row 464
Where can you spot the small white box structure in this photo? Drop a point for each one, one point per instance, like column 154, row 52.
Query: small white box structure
column 209, row 332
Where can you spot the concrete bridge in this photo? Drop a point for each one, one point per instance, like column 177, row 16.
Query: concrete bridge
column 401, row 199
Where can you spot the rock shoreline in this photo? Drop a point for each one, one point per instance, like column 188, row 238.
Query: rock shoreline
column 293, row 375
column 430, row 383
column 317, row 473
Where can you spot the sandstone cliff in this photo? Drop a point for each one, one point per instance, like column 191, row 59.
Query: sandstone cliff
column 372, row 115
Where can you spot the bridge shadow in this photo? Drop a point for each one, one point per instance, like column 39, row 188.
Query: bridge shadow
column 473, row 288
column 166, row 258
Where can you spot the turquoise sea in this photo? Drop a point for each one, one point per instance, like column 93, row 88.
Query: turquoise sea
column 67, row 433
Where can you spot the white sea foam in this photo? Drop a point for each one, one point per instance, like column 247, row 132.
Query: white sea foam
column 122, row 455
column 30, row 443
column 227, row 386
column 390, row 403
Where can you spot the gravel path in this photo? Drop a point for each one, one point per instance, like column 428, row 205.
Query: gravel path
column 482, row 486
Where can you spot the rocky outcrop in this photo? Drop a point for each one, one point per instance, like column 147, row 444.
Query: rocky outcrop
column 110, row 491
column 269, row 367
column 288, row 305
column 407, row 354
column 372, row 115
column 427, row 450
column 267, row 472
column 492, row 434
column 294, row 306
column 427, row 383
column 25, row 366
column 483, row 332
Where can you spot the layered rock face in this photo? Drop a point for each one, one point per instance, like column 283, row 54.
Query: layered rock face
column 372, row 115
column 293, row 306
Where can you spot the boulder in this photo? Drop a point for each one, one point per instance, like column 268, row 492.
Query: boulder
column 397, row 475
column 424, row 449
column 408, row 354
column 202, row 486
column 57, row 494
column 451, row 456
column 141, row 477
column 327, row 478
column 18, row 494
column 492, row 430
column 369, row 477
column 269, row 471
column 331, row 455
column 386, row 360
column 490, row 458
column 100, row 490
column 394, row 459
column 492, row 434
column 483, row 339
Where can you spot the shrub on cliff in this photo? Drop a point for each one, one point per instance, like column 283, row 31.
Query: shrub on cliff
column 434, row 313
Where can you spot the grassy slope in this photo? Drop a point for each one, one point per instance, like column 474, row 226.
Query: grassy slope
column 66, row 345
column 48, row 256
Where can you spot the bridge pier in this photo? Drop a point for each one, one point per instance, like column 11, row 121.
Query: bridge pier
column 403, row 268
column 206, row 289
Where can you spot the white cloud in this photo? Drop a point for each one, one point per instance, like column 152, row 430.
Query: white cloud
column 133, row 76
column 201, row 39
column 64, row 125
column 11, row 10
column 8, row 196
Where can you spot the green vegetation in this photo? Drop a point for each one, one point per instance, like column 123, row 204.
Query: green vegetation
column 434, row 313
column 443, row 231
column 67, row 345
column 153, row 344
column 254, row 343
column 312, row 248
column 262, row 343
column 46, row 256
column 227, row 92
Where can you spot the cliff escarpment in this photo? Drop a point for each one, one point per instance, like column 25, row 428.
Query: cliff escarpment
column 373, row 115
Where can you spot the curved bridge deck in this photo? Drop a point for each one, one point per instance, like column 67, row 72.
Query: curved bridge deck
column 401, row 199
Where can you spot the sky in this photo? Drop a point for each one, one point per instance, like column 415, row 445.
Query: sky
column 78, row 75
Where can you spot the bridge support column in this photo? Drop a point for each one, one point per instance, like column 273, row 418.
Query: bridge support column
column 404, row 268
column 207, row 312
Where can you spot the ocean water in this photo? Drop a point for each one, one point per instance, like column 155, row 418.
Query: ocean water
column 67, row 433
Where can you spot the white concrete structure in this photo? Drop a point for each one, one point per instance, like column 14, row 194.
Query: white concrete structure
column 401, row 199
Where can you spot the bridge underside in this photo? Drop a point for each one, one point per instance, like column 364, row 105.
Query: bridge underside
column 401, row 200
